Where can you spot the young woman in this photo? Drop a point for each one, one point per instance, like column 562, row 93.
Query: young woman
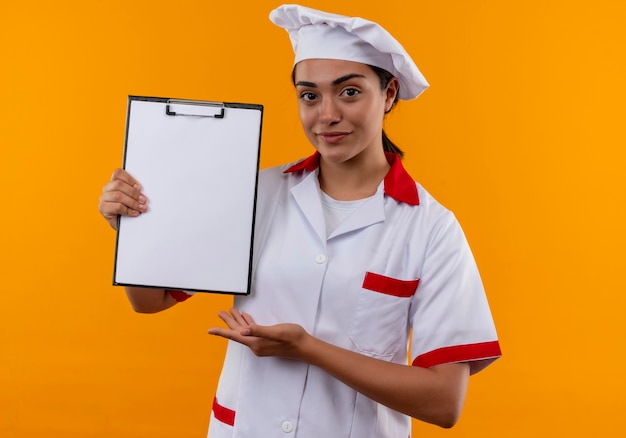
column 355, row 262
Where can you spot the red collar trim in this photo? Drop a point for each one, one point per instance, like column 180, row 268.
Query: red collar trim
column 398, row 183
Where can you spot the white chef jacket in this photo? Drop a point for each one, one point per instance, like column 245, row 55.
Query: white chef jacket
column 399, row 264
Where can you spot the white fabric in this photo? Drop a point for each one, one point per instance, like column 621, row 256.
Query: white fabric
column 336, row 211
column 301, row 276
column 321, row 35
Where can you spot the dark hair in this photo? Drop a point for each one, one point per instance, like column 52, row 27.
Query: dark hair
column 384, row 76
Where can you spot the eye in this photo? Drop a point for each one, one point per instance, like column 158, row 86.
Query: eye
column 350, row 92
column 308, row 96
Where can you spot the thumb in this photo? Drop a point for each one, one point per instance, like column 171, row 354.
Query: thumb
column 255, row 330
column 246, row 331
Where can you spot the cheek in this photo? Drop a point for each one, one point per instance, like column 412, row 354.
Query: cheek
column 306, row 116
column 371, row 116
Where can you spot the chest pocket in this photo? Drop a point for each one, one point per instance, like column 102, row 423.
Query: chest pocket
column 380, row 325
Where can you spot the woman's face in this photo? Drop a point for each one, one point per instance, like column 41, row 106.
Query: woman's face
column 342, row 107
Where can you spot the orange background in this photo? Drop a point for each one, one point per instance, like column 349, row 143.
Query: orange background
column 521, row 134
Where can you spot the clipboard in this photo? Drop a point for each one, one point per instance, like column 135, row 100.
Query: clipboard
column 198, row 163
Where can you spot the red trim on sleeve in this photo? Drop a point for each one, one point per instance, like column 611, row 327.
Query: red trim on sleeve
column 178, row 295
column 223, row 414
column 458, row 353
column 389, row 285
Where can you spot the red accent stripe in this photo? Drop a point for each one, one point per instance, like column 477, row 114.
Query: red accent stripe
column 398, row 183
column 178, row 295
column 310, row 163
column 225, row 415
column 458, row 353
column 390, row 286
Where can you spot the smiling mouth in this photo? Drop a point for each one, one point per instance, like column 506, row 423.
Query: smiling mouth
column 333, row 137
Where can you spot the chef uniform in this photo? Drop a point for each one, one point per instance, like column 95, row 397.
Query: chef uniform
column 390, row 276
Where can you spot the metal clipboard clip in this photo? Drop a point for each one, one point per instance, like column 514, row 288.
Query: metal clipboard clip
column 195, row 108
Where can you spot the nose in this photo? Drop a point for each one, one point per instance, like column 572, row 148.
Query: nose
column 329, row 111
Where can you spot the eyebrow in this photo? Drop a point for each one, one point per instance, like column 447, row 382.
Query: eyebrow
column 334, row 83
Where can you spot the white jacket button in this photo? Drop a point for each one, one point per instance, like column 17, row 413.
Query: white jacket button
column 287, row 426
column 320, row 258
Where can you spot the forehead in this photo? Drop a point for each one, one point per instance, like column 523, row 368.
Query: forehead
column 327, row 70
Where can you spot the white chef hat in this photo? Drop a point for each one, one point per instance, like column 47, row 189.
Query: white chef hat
column 322, row 35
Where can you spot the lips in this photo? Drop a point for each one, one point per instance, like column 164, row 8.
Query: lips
column 332, row 137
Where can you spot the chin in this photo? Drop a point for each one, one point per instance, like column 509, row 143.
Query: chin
column 334, row 156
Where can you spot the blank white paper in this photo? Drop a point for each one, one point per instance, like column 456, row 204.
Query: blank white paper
column 200, row 176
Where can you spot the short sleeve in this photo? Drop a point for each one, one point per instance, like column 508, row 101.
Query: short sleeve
column 180, row 295
column 450, row 316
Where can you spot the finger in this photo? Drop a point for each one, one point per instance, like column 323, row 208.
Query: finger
column 247, row 331
column 114, row 203
column 234, row 322
column 119, row 192
column 231, row 334
column 237, row 316
column 122, row 181
column 248, row 318
column 132, row 191
column 257, row 331
column 226, row 317
column 123, row 175
column 218, row 331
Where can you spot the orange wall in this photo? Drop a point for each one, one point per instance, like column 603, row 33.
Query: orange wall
column 521, row 134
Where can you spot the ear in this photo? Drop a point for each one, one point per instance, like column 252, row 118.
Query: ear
column 391, row 93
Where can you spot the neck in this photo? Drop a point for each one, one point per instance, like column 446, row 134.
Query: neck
column 354, row 179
